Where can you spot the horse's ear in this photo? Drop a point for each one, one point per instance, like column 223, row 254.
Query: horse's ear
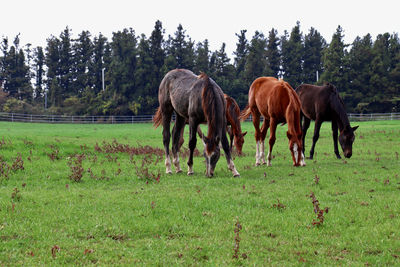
column 244, row 133
column 355, row 128
column 289, row 135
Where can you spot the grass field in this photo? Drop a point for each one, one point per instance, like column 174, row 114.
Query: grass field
column 99, row 195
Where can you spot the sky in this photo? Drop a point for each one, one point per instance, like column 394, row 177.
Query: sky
column 215, row 20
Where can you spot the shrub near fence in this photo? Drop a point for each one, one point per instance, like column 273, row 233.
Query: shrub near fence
column 16, row 117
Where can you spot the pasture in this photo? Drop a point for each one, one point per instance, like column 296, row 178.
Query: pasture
column 99, row 195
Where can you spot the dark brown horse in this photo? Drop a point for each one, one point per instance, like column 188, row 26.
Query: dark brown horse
column 233, row 125
column 233, row 118
column 196, row 99
column 278, row 103
column 323, row 103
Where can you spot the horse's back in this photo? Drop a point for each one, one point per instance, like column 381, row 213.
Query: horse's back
column 272, row 96
column 315, row 100
column 176, row 90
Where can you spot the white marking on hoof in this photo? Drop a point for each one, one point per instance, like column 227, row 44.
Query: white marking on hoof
column 302, row 162
column 231, row 166
column 168, row 165
column 190, row 170
column 176, row 164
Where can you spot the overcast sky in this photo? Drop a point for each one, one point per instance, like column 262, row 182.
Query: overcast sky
column 215, row 20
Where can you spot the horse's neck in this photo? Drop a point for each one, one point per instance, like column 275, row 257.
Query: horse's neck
column 341, row 115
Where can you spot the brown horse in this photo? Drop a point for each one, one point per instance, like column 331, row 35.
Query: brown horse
column 323, row 103
column 233, row 118
column 277, row 102
column 196, row 99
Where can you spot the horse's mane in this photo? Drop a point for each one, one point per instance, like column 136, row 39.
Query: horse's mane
column 211, row 109
column 337, row 105
column 293, row 107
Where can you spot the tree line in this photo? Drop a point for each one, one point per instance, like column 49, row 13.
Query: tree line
column 91, row 75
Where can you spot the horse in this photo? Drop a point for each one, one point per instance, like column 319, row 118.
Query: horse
column 234, row 130
column 236, row 136
column 278, row 103
column 196, row 99
column 323, row 103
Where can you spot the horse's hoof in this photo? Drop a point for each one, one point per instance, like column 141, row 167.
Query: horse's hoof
column 178, row 171
column 257, row 164
column 168, row 172
column 190, row 173
column 236, row 175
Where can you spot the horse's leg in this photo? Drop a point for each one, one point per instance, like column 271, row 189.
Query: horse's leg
column 317, row 128
column 177, row 133
column 229, row 130
column 256, row 122
column 225, row 147
column 264, row 129
column 335, row 138
column 166, row 121
column 305, row 126
column 192, row 144
column 272, row 138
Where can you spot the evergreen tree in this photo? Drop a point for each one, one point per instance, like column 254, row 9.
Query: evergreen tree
column 273, row 54
column 121, row 72
column 360, row 57
column 82, row 51
column 39, row 61
column 256, row 60
column 292, row 57
column 202, row 56
column 157, row 53
column 314, row 44
column 66, row 64
column 145, row 98
column 333, row 61
column 180, row 53
column 16, row 74
column 52, row 61
column 241, row 53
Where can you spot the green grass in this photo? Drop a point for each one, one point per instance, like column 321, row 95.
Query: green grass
column 119, row 215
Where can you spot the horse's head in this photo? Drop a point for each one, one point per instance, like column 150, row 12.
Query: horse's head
column 238, row 141
column 296, row 149
column 346, row 139
column 211, row 154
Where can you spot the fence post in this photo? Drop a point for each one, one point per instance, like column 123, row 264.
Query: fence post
column 12, row 117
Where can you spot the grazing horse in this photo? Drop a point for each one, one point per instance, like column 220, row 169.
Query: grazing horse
column 323, row 103
column 196, row 99
column 235, row 131
column 233, row 126
column 277, row 102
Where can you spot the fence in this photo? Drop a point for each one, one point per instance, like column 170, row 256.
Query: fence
column 16, row 117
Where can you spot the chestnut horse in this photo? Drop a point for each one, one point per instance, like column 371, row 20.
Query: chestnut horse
column 277, row 102
column 323, row 103
column 233, row 118
column 196, row 99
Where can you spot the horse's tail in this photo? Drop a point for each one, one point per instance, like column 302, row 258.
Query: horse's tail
column 245, row 113
column 157, row 119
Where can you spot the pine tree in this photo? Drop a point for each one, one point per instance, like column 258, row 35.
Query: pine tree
column 241, row 53
column 202, row 55
column 39, row 71
column 314, row 44
column 292, row 56
column 333, row 61
column 82, row 55
column 273, row 54
column 256, row 60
